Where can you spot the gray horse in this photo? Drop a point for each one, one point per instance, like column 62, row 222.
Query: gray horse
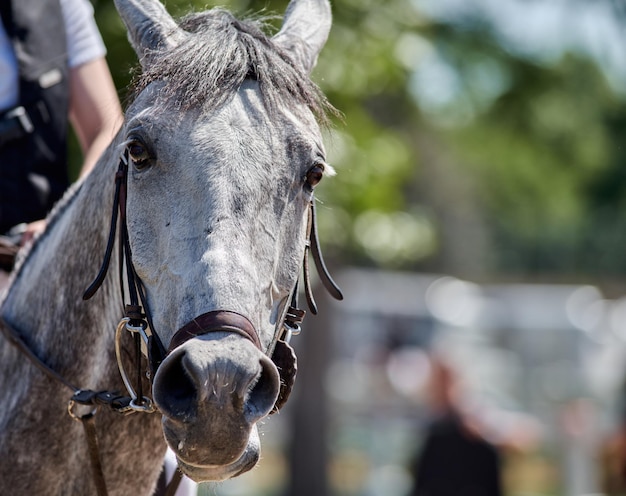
column 210, row 186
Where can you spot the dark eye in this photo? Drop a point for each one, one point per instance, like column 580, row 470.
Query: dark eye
column 138, row 153
column 314, row 175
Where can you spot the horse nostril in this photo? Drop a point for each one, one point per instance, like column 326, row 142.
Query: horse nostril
column 175, row 392
column 190, row 383
column 263, row 392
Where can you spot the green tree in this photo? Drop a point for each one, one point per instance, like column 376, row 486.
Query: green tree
column 500, row 164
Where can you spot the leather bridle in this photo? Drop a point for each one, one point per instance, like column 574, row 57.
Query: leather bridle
column 137, row 320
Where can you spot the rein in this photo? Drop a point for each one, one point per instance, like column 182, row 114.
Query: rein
column 138, row 322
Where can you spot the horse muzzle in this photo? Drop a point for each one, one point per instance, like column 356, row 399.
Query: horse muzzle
column 212, row 388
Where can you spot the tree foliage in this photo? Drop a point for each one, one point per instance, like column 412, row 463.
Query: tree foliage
column 455, row 153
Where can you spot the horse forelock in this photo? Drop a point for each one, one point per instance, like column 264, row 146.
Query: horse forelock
column 220, row 53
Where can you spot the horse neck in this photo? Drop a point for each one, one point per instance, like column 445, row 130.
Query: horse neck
column 76, row 339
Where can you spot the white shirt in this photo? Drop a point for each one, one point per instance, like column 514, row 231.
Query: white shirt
column 84, row 44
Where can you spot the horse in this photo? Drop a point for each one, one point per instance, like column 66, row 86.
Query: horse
column 156, row 308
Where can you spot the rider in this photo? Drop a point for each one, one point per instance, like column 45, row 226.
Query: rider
column 52, row 71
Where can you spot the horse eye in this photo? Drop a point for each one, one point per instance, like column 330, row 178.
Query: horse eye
column 314, row 175
column 138, row 153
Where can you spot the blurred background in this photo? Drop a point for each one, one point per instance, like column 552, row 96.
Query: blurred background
column 478, row 219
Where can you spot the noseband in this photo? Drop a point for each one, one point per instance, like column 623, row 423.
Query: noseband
column 216, row 321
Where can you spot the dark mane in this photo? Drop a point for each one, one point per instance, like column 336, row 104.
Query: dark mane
column 211, row 65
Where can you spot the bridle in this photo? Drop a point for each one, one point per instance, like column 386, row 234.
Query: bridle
column 138, row 322
column 138, row 319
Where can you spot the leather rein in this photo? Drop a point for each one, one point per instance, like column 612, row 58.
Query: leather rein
column 138, row 322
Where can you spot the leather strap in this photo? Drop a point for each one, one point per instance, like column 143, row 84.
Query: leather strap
column 316, row 252
column 216, row 321
column 89, row 424
column 172, row 487
column 16, row 338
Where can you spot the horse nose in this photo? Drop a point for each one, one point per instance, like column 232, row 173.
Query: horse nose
column 203, row 377
column 211, row 392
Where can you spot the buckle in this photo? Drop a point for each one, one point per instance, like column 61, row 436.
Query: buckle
column 14, row 124
column 22, row 117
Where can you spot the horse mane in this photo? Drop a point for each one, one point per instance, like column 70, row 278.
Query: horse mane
column 207, row 68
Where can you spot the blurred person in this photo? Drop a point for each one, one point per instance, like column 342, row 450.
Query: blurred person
column 613, row 462
column 455, row 458
column 52, row 72
column 612, row 452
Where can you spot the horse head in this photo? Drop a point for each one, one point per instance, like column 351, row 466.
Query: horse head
column 223, row 151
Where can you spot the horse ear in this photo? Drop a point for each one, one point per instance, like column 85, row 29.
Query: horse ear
column 305, row 30
column 150, row 28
